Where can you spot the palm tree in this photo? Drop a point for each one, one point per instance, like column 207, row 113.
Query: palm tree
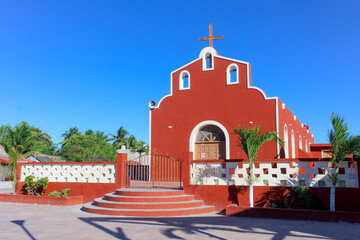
column 119, row 137
column 19, row 142
column 250, row 140
column 140, row 148
column 102, row 136
column 341, row 146
column 130, row 142
column 69, row 134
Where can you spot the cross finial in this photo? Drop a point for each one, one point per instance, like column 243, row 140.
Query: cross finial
column 210, row 38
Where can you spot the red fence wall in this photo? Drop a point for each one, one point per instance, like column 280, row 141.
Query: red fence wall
column 347, row 199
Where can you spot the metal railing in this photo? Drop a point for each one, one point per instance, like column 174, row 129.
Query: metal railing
column 153, row 171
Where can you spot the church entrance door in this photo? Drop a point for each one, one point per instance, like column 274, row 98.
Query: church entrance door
column 210, row 143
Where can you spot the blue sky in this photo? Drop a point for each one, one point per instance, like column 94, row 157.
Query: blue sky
column 97, row 64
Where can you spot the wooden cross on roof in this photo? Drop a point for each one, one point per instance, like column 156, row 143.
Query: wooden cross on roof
column 210, row 38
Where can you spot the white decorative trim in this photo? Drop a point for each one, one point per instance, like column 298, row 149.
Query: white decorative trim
column 300, row 142
column 206, row 123
column 228, row 74
column 293, row 155
column 171, row 81
column 206, row 50
column 283, row 106
column 150, row 131
column 286, row 141
column 203, row 53
column 181, row 80
column 294, row 117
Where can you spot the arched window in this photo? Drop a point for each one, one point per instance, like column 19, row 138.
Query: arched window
column 232, row 74
column 207, row 55
column 292, row 144
column 286, row 141
column 306, row 146
column 209, row 61
column 300, row 142
column 210, row 134
column 184, row 80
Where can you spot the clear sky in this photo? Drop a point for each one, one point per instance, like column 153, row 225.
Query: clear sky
column 97, row 64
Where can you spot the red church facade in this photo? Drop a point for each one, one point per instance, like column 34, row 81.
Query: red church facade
column 210, row 97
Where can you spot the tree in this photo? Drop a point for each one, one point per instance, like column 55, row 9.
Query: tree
column 342, row 145
column 69, row 134
column 44, row 141
column 20, row 142
column 88, row 148
column 250, row 140
column 140, row 148
column 130, row 142
column 119, row 137
column 102, row 136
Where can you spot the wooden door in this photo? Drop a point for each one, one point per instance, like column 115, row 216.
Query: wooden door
column 209, row 151
column 210, row 144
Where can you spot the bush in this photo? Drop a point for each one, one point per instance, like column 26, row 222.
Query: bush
column 63, row 193
column 55, row 194
column 36, row 188
column 298, row 198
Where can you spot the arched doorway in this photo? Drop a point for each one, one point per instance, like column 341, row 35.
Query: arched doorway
column 210, row 143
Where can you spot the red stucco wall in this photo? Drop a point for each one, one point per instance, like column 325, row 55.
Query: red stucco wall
column 287, row 117
column 210, row 98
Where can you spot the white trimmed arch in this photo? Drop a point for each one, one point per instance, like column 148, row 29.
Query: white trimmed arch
column 286, row 141
column 230, row 81
column 293, row 155
column 196, row 130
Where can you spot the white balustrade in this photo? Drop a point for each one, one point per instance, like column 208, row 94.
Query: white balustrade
column 312, row 174
column 85, row 173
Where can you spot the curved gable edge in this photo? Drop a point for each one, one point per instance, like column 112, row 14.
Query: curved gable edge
column 171, row 81
column 248, row 76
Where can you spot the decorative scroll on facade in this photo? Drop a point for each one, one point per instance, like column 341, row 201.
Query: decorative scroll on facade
column 312, row 174
column 82, row 173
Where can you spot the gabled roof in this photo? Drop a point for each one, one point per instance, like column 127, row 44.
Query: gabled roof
column 45, row 158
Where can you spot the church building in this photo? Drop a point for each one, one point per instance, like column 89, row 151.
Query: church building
column 210, row 97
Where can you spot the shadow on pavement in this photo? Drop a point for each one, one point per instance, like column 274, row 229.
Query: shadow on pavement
column 21, row 224
column 211, row 227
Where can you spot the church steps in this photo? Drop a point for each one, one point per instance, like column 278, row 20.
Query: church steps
column 149, row 192
column 147, row 203
column 90, row 208
column 118, row 198
column 99, row 202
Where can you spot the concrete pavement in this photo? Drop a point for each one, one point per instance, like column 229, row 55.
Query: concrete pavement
column 23, row 221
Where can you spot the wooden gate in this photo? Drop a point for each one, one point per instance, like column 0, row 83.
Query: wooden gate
column 153, row 171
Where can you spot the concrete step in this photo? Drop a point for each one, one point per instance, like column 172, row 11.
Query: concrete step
column 148, row 192
column 101, row 202
column 91, row 208
column 121, row 198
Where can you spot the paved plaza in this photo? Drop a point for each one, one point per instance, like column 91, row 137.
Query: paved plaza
column 24, row 221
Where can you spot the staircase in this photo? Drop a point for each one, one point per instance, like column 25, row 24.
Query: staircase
column 147, row 203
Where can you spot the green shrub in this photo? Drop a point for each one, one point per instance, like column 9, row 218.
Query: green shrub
column 55, row 194
column 36, row 188
column 299, row 198
column 63, row 193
